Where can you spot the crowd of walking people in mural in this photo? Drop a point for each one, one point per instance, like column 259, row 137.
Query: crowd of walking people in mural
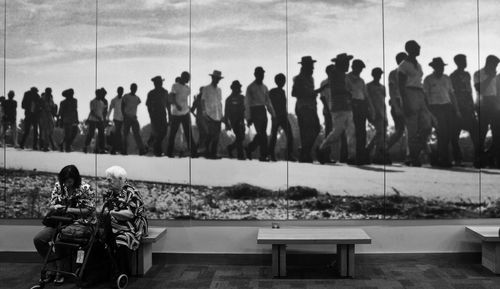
column 417, row 105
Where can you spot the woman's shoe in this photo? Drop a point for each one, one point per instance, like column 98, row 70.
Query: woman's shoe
column 59, row 280
column 49, row 277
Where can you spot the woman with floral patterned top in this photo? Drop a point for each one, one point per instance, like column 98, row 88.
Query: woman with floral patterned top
column 127, row 221
column 73, row 197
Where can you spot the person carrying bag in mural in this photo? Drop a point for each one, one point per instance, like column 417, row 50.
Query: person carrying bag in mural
column 96, row 120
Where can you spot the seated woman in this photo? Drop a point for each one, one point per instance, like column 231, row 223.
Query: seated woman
column 127, row 217
column 70, row 196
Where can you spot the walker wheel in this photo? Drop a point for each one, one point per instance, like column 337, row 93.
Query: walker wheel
column 79, row 281
column 122, row 281
column 40, row 285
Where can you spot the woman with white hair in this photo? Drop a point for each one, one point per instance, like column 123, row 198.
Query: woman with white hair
column 127, row 217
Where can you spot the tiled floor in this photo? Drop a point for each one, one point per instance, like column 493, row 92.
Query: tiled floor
column 421, row 273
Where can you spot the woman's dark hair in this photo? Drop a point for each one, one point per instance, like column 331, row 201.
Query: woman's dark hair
column 70, row 172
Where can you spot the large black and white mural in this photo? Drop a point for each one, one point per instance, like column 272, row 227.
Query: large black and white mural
column 256, row 109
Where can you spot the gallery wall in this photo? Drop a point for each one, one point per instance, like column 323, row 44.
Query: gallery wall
column 87, row 45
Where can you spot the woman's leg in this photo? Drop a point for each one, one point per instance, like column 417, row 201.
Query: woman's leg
column 42, row 240
column 42, row 243
column 123, row 259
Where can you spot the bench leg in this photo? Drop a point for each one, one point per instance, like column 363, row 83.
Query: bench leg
column 143, row 259
column 279, row 260
column 345, row 260
column 350, row 260
column 342, row 260
column 491, row 256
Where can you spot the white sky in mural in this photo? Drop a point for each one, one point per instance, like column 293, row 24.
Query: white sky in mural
column 52, row 43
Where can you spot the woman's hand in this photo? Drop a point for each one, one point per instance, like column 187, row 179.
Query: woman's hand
column 58, row 207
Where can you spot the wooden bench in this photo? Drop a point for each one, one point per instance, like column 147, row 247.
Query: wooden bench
column 490, row 245
column 143, row 257
column 344, row 238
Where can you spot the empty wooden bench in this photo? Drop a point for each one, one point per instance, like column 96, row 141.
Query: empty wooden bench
column 142, row 260
column 344, row 238
column 490, row 245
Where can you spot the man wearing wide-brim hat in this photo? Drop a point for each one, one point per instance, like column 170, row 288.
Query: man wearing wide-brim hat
column 340, row 110
column 211, row 111
column 216, row 74
column 156, row 102
column 68, row 115
column 31, row 106
column 442, row 104
column 234, row 118
column 305, row 107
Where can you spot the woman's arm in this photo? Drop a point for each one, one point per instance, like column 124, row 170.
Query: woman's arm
column 78, row 211
column 122, row 215
column 55, row 198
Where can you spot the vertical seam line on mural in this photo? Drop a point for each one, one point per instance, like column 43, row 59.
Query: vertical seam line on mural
column 386, row 152
column 190, row 184
column 287, row 97
column 4, row 83
column 479, row 108
column 95, row 86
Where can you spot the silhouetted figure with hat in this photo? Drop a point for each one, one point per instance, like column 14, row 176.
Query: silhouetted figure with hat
column 116, row 107
column 10, row 117
column 305, row 107
column 396, row 104
column 487, row 85
column 156, row 103
column 180, row 114
column 362, row 108
column 341, row 111
column 31, row 106
column 211, row 110
column 461, row 82
column 130, row 102
column 279, row 102
column 441, row 101
column 256, row 101
column 48, row 110
column 234, row 118
column 376, row 94
column 96, row 121
column 68, row 116
column 417, row 115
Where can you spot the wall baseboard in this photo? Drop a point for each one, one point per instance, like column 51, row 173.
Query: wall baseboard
column 293, row 258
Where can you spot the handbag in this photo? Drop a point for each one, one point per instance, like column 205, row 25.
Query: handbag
column 76, row 232
column 48, row 222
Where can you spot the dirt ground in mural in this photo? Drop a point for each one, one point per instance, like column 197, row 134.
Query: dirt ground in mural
column 27, row 195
